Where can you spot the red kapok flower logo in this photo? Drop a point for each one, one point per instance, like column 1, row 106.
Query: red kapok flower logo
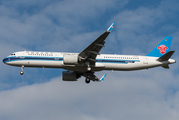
column 162, row 49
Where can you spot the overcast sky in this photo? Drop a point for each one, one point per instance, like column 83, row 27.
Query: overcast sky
column 70, row 26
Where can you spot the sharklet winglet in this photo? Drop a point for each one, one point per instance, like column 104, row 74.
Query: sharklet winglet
column 102, row 78
column 111, row 27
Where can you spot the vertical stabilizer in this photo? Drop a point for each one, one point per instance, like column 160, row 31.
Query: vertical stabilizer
column 162, row 48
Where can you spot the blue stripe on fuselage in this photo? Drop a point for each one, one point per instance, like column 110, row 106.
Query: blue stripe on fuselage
column 116, row 61
column 22, row 58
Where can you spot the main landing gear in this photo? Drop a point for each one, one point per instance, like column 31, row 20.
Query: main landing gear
column 22, row 70
column 87, row 80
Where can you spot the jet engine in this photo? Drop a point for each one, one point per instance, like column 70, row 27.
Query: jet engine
column 69, row 76
column 70, row 59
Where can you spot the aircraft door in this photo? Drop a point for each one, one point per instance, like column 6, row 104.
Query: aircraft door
column 145, row 60
column 99, row 58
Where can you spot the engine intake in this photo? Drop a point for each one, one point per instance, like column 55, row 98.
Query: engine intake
column 70, row 59
column 69, row 76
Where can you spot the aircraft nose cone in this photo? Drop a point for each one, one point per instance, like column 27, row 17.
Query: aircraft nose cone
column 4, row 60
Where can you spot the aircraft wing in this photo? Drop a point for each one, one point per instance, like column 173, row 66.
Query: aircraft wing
column 89, row 54
column 93, row 77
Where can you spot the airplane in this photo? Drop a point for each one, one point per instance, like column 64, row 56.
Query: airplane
column 89, row 61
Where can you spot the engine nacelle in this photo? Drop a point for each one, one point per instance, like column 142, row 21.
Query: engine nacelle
column 70, row 59
column 69, row 76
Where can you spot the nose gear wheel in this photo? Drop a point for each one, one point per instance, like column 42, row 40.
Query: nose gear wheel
column 87, row 80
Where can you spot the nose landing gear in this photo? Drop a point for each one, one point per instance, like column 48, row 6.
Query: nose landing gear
column 22, row 70
column 87, row 80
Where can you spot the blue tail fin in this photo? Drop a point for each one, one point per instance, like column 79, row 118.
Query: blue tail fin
column 162, row 48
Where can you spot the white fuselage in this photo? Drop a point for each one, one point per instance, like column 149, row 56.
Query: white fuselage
column 103, row 61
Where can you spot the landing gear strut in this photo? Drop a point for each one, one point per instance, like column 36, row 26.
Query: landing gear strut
column 22, row 70
column 87, row 80
column 88, row 66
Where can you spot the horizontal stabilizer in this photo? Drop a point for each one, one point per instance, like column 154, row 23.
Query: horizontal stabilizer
column 166, row 66
column 166, row 57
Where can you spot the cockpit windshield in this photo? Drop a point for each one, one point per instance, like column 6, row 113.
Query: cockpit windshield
column 13, row 54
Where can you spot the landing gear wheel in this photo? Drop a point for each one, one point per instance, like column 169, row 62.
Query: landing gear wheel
column 87, row 80
column 21, row 72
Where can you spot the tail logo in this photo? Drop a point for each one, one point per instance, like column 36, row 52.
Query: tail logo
column 162, row 49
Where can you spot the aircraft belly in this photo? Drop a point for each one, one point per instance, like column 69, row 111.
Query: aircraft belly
column 82, row 69
column 129, row 66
